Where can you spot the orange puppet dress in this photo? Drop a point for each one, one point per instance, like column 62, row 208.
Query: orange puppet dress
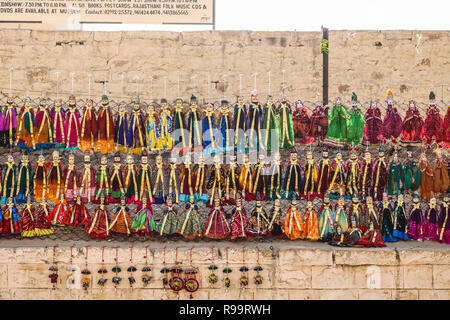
column 426, row 179
column 246, row 182
column 293, row 224
column 55, row 182
column 25, row 134
column 40, row 180
column 311, row 224
column 105, row 140
column 43, row 128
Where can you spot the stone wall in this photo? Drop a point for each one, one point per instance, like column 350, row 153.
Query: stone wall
column 292, row 270
column 410, row 62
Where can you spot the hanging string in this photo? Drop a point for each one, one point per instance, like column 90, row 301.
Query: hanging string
column 86, row 256
column 243, row 254
column 178, row 84
column 165, row 87
column 116, row 259
column 240, row 84
column 137, row 86
column 224, row 86
column 54, row 252
column 151, row 88
column 226, row 254
column 209, row 87
column 57, row 83
column 176, row 255
column 72, row 74
column 131, row 253
column 122, row 86
column 103, row 251
column 145, row 257
column 257, row 255
column 254, row 79
column 10, row 80
column 283, row 81
column 104, row 87
column 164, row 258
column 212, row 254
column 89, row 85
column 71, row 255
column 190, row 256
column 268, row 74
column 194, row 84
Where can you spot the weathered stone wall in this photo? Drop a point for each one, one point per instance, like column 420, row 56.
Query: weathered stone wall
column 292, row 270
column 410, row 62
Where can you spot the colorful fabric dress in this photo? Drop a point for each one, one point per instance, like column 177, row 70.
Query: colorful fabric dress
column 191, row 226
column 210, row 133
column 43, row 128
column 440, row 174
column 302, row 125
column 121, row 131
column 55, row 182
column 271, row 127
column 430, row 223
column 293, row 224
column 412, row 125
column 43, row 226
column 180, row 133
column 8, row 134
column 58, row 119
column 60, row 213
column 285, row 126
column 199, row 182
column 173, row 184
column 415, row 224
column 352, row 169
column 355, row 126
column 400, row 222
column 24, row 182
column 151, row 134
column 169, row 224
column 337, row 178
column 309, row 190
column 70, row 183
column 215, row 184
column 246, row 181
column 102, row 184
column 89, row 130
column 444, row 224
column 187, row 182
column 25, row 128
column 260, row 181
column 87, row 183
column 319, row 123
column 160, row 182
column 311, row 224
column 274, row 180
column 373, row 130
column 98, row 226
column 121, row 223
column 293, row 183
column 40, row 180
column 78, row 215
column 194, row 126
column 433, row 126
column 105, row 132
column 8, row 182
column 340, row 218
column 379, row 178
column 337, row 128
column 395, row 183
column 28, row 221
column 411, row 174
column 231, row 184
column 164, row 129
column 387, row 222
column 239, row 223
column 326, row 223
column 276, row 225
column 9, row 220
column 225, row 131
column 240, row 127
column 72, row 127
column 372, row 238
column 131, row 183
column 117, row 183
column 254, row 126
column 426, row 179
column 136, row 135
column 145, row 182
column 216, row 225
column 392, row 123
column 323, row 180
column 144, row 223
column 258, row 222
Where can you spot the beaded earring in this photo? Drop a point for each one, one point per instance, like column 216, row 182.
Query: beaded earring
column 146, row 278
column 86, row 278
column 102, row 271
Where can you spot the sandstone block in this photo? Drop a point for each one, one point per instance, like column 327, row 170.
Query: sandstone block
column 351, row 294
column 330, row 277
column 293, row 276
column 373, row 294
column 304, row 294
column 441, row 277
column 434, row 294
column 365, row 257
column 418, row 276
column 405, row 294
column 306, row 257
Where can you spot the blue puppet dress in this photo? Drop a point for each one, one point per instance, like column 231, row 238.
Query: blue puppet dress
column 240, row 127
column 255, row 127
column 121, row 131
column 225, row 131
column 8, row 182
column 210, row 133
column 387, row 222
column 24, row 182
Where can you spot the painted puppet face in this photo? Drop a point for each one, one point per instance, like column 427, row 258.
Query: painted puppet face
column 158, row 159
column 341, row 201
column 104, row 160
column 130, row 160
column 87, row 158
column 368, row 157
column 144, row 159
column 71, row 159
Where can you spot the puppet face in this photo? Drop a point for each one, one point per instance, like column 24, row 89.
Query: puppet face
column 169, row 203
column 238, row 202
column 10, row 201
column 373, row 104
column 400, row 198
column 158, row 159
column 339, row 156
column 309, row 155
column 191, row 198
column 240, row 99
column 390, row 102
column 338, row 101
column 338, row 229
column 294, row 203
column 87, row 158
column 144, row 159
column 122, row 202
column 412, row 104
column 325, row 154
column 130, row 160
column 117, row 160
column 353, row 155
column 309, row 204
column 150, row 109
column 433, row 201
column 254, row 98
column 89, row 104
column 341, row 201
column 299, row 104
column 41, row 158
column 121, row 108
column 56, row 156
column 381, row 154
column 144, row 202
column 105, row 101
column 277, row 203
column 71, row 159
column 368, row 157
column 178, row 103
column 355, row 199
column 24, row 158
column 293, row 157
column 217, row 202
column 104, row 160
column 72, row 101
column 10, row 158
column 326, row 199
column 187, row 160
column 369, row 200
column 269, row 99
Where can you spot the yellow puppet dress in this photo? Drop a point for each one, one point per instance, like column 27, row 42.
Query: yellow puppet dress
column 293, row 224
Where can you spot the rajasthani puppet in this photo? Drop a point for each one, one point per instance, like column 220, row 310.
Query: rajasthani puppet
column 98, row 226
column 43, row 128
column 302, row 124
column 260, row 178
column 319, row 122
column 258, row 222
column 293, row 183
column 215, row 181
column 87, row 181
column 373, row 130
column 121, row 223
column 396, row 173
column 411, row 173
column 400, row 221
column 392, row 122
column 371, row 214
column 430, row 222
column 231, row 183
column 352, row 168
column 311, row 177
column 59, row 215
column 246, row 180
column 131, row 181
column 26, row 137
column 337, row 177
column 337, row 128
column 169, row 224
column 116, row 179
column 88, row 132
column 225, row 129
column 40, row 179
column 340, row 218
column 43, row 226
column 71, row 182
column 173, row 183
column 9, row 219
column 326, row 220
column 191, row 226
column 426, row 177
column 323, row 180
column 58, row 119
column 55, row 187
column 194, row 126
column 136, row 135
column 311, row 223
column 415, row 224
column 433, row 125
column 254, row 123
column 24, row 180
column 240, row 126
column 151, row 124
column 145, row 179
column 180, row 133
column 105, row 127
column 372, row 238
column 164, row 128
column 412, row 125
column 200, row 179
column 187, row 180
column 285, row 125
column 270, row 126
column 440, row 174
column 387, row 220
column 9, row 180
column 72, row 125
column 102, row 182
column 444, row 223
column 210, row 132
column 356, row 211
column 293, row 223
column 340, row 238
column 274, row 178
column 239, row 220
column 78, row 214
column 28, row 220
column 379, row 175
column 121, row 130
column 216, row 225
column 276, row 225
column 355, row 123
column 8, row 133
column 159, row 181
column 143, row 223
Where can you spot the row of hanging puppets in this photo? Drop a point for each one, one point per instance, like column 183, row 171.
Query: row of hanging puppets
column 367, row 181
column 187, row 126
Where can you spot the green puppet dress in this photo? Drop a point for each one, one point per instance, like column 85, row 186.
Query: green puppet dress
column 337, row 128
column 269, row 126
column 285, row 126
column 412, row 175
column 395, row 184
column 355, row 126
column 169, row 224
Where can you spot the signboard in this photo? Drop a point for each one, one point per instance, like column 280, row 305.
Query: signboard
column 64, row 14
